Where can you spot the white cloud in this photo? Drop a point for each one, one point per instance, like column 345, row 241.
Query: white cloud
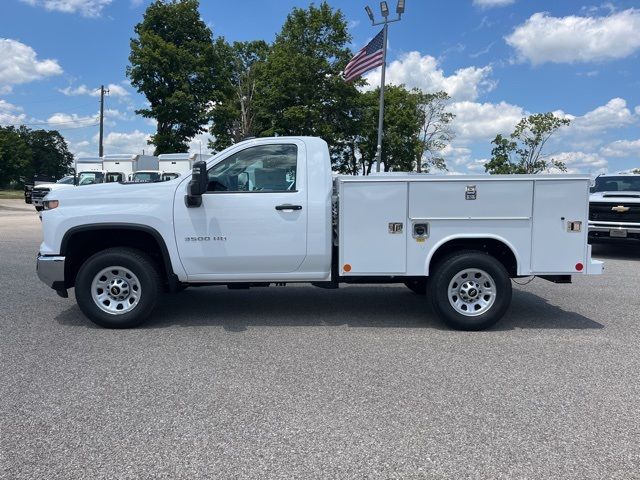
column 115, row 90
column 19, row 64
column 133, row 142
column 577, row 162
column 622, row 148
column 423, row 72
column 483, row 121
column 614, row 114
column 86, row 8
column 10, row 114
column 200, row 143
column 63, row 120
column 492, row 3
column 572, row 39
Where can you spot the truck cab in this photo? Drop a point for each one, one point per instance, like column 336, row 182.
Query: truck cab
column 270, row 211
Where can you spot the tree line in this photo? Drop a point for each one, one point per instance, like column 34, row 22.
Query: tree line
column 25, row 153
column 292, row 86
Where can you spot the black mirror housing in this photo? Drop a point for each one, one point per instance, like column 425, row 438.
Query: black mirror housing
column 198, row 185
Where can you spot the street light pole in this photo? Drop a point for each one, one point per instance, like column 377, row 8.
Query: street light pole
column 384, row 9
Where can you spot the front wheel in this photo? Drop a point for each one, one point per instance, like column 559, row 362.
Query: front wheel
column 470, row 290
column 118, row 287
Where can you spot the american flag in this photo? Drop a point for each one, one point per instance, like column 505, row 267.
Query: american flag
column 367, row 59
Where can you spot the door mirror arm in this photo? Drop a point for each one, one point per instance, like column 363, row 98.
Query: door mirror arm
column 197, row 186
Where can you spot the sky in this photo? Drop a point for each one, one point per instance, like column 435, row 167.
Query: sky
column 499, row 60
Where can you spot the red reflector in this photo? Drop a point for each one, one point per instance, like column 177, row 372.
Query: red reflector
column 579, row 267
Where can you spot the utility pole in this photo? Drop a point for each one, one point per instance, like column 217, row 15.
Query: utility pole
column 384, row 10
column 102, row 92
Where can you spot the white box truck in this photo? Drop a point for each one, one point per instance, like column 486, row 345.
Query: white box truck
column 172, row 165
column 269, row 211
column 89, row 170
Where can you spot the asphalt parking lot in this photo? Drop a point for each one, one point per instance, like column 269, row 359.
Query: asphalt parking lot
column 299, row 382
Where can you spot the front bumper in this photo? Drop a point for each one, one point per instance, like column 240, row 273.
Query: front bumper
column 50, row 270
column 602, row 231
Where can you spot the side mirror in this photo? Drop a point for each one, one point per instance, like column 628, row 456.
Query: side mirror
column 197, row 186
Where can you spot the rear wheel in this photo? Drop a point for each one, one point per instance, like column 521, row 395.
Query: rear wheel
column 118, row 287
column 470, row 290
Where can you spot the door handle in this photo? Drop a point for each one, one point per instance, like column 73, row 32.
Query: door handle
column 288, row 207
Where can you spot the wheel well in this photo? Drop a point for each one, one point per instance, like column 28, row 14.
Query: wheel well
column 497, row 249
column 78, row 246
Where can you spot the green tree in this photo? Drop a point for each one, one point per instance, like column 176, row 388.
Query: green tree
column 401, row 143
column 173, row 62
column 522, row 151
column 301, row 88
column 50, row 153
column 234, row 116
column 15, row 156
column 436, row 131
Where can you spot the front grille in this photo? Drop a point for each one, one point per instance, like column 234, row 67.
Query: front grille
column 39, row 193
column 603, row 212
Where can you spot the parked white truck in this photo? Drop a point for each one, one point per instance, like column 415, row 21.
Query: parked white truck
column 269, row 211
column 174, row 164
column 121, row 167
column 614, row 208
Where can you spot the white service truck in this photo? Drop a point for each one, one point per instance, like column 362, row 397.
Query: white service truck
column 173, row 165
column 269, row 211
column 89, row 170
column 122, row 167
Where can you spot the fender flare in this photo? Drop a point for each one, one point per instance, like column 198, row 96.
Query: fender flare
column 470, row 236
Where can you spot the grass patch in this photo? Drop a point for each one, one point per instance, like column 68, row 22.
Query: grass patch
column 12, row 194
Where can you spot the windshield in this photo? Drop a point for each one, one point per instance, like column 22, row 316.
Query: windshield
column 623, row 183
column 67, row 180
column 88, row 178
column 144, row 177
column 114, row 177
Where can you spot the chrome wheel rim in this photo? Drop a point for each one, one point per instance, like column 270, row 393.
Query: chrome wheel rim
column 472, row 292
column 116, row 290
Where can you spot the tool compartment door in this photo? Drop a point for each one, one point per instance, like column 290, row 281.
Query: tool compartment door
column 556, row 249
column 373, row 228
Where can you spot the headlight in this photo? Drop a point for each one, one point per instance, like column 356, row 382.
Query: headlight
column 50, row 204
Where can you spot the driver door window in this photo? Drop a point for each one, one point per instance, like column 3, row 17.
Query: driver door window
column 264, row 168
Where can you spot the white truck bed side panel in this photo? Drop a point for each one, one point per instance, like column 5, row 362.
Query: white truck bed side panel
column 554, row 248
column 447, row 199
column 366, row 210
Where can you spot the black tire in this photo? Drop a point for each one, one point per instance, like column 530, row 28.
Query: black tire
column 417, row 285
column 140, row 264
column 445, row 272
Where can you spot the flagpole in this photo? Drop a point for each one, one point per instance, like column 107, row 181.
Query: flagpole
column 384, row 9
column 381, row 110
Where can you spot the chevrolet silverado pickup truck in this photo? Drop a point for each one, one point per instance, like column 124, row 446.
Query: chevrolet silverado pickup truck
column 270, row 211
column 614, row 208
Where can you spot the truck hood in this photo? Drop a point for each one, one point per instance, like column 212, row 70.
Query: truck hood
column 615, row 197
column 114, row 193
column 53, row 186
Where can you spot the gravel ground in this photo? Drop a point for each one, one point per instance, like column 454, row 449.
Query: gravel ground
column 299, row 382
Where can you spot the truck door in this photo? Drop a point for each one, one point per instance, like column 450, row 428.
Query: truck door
column 253, row 218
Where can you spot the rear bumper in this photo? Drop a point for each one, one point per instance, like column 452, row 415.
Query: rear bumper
column 50, row 270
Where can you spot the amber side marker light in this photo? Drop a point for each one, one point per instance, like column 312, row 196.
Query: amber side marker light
column 50, row 204
column 346, row 267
